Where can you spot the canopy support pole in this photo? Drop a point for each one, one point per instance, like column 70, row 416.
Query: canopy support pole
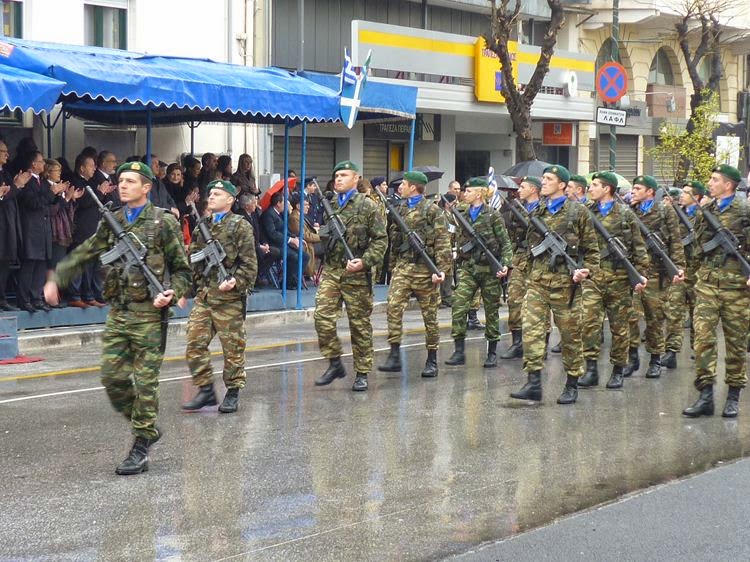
column 284, row 249
column 148, row 137
column 192, row 138
column 64, row 131
column 411, row 144
column 49, row 136
column 301, row 233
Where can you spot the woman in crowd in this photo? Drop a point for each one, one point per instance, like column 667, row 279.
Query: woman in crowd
column 244, row 178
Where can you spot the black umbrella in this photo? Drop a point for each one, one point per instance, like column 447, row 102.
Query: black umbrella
column 506, row 182
column 527, row 168
column 432, row 173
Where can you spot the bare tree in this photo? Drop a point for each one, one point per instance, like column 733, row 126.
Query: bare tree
column 520, row 98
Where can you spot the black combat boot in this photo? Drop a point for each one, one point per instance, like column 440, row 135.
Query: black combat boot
column 591, row 376
column 515, row 351
column 491, row 360
column 634, row 363
column 360, row 382
column 557, row 348
column 393, row 363
column 137, row 460
column 231, row 401
column 532, row 390
column 654, row 367
column 570, row 392
column 334, row 371
column 615, row 381
column 732, row 406
column 704, row 406
column 205, row 397
column 474, row 323
column 458, row 357
column 669, row 360
column 430, row 366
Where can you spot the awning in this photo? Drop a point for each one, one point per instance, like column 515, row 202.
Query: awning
column 118, row 86
column 24, row 90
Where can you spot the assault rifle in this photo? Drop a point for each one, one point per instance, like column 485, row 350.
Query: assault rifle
column 553, row 243
column 412, row 238
column 726, row 241
column 212, row 253
column 334, row 226
column 689, row 238
column 128, row 249
column 655, row 245
column 476, row 240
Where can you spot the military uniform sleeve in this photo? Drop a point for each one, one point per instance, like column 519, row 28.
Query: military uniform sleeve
column 394, row 239
column 441, row 250
column 76, row 261
column 175, row 257
column 676, row 249
column 378, row 238
column 640, row 258
column 501, row 233
column 589, row 244
column 247, row 268
column 196, row 245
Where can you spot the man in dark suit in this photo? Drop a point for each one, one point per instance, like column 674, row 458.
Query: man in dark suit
column 10, row 224
column 272, row 223
column 248, row 209
column 106, row 166
column 159, row 195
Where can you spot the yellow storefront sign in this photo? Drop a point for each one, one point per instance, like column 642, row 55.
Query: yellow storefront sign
column 488, row 75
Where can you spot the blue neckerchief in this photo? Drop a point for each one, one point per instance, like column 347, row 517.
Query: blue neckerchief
column 724, row 203
column 646, row 205
column 344, row 197
column 412, row 202
column 531, row 205
column 132, row 213
column 605, row 208
column 474, row 212
column 690, row 210
column 554, row 205
column 583, row 200
column 218, row 216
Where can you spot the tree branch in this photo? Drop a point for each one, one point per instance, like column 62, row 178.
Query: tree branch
column 547, row 50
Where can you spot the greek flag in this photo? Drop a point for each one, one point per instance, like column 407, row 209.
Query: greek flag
column 350, row 76
column 496, row 200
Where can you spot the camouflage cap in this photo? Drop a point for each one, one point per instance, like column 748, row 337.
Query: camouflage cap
column 533, row 180
column 415, row 176
column 346, row 165
column 729, row 172
column 699, row 188
column 138, row 168
column 224, row 186
column 477, row 182
column 580, row 180
column 606, row 177
column 560, row 171
column 648, row 181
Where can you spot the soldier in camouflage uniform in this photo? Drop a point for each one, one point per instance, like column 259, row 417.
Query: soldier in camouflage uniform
column 528, row 193
column 410, row 275
column 349, row 281
column 550, row 285
column 682, row 295
column 219, row 305
column 135, row 331
column 721, row 295
column 474, row 271
column 661, row 220
column 610, row 292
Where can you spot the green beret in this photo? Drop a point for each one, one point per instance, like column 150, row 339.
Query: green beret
column 730, row 172
column 416, row 177
column 560, row 171
column 346, row 165
column 698, row 187
column 606, row 177
column 674, row 192
column 533, row 180
column 580, row 180
column 223, row 185
column 138, row 168
column 477, row 182
column 648, row 181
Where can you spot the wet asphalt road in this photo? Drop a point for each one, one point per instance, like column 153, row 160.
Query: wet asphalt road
column 413, row 469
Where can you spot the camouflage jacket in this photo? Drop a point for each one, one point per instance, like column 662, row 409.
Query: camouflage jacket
column 715, row 268
column 428, row 221
column 620, row 223
column 159, row 232
column 691, row 250
column 662, row 220
column 517, row 234
column 236, row 237
column 490, row 226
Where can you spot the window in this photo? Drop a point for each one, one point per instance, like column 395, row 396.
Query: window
column 660, row 72
column 106, row 27
column 532, row 32
column 12, row 19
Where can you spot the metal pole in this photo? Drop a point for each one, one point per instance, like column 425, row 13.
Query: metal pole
column 192, row 138
column 148, row 144
column 301, row 232
column 284, row 252
column 301, row 20
column 63, row 131
column 615, row 56
column 49, row 136
column 411, row 143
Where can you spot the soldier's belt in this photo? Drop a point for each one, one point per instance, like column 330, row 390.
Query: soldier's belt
column 145, row 306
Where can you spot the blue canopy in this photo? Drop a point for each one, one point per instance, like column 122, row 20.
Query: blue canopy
column 119, row 86
column 24, row 90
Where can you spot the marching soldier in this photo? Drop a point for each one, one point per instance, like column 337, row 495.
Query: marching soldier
column 135, row 331
column 610, row 291
column 410, row 275
column 721, row 295
column 661, row 220
column 474, row 271
column 550, row 287
column 349, row 281
column 219, row 305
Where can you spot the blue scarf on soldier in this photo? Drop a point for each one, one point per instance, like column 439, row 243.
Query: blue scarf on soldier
column 647, row 205
column 412, row 202
column 724, row 203
column 554, row 205
column 690, row 210
column 605, row 208
column 531, row 206
column 344, row 197
column 132, row 213
column 218, row 216
column 474, row 212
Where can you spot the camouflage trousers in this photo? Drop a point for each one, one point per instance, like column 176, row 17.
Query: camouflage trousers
column 132, row 354
column 413, row 279
column 654, row 301
column 337, row 288
column 732, row 308
column 473, row 279
column 211, row 317
column 610, row 294
column 681, row 299
column 516, row 294
column 543, row 298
